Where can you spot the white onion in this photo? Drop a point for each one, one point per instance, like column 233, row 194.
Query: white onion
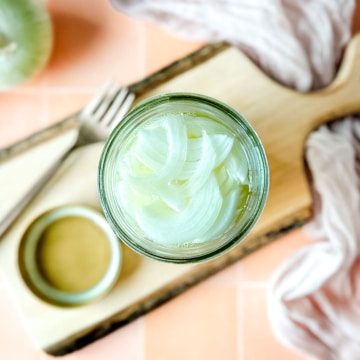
column 25, row 40
column 222, row 145
column 196, row 126
column 226, row 216
column 131, row 199
column 151, row 148
column 177, row 140
column 183, row 179
column 170, row 228
column 237, row 165
column 194, row 146
column 204, row 168
column 159, row 190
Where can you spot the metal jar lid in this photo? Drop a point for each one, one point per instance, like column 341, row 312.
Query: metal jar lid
column 29, row 264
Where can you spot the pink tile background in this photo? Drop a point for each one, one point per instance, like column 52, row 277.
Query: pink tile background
column 224, row 317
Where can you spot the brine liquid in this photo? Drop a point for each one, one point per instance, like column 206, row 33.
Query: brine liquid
column 183, row 179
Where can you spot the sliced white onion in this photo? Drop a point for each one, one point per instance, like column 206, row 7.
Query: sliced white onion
column 194, row 149
column 228, row 185
column 236, row 164
column 221, row 176
column 131, row 199
column 195, row 159
column 195, row 126
column 204, row 167
column 225, row 218
column 177, row 140
column 151, row 148
column 183, row 179
column 222, row 144
column 158, row 190
column 131, row 166
column 187, row 171
column 170, row 228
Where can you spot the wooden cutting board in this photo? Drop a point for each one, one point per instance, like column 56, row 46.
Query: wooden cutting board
column 283, row 119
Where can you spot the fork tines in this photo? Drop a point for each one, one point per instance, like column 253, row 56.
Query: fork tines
column 110, row 104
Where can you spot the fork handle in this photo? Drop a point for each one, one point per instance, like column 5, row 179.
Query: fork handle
column 22, row 204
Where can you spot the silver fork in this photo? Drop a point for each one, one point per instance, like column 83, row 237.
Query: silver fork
column 96, row 120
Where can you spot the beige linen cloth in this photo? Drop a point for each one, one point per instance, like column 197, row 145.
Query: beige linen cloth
column 314, row 297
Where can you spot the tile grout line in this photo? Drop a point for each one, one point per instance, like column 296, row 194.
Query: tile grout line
column 239, row 271
column 45, row 105
column 45, row 356
column 142, row 50
column 142, row 71
column 141, row 338
column 56, row 90
column 2, row 277
column 254, row 284
column 240, row 323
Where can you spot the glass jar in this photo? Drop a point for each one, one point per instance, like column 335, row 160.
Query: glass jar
column 183, row 178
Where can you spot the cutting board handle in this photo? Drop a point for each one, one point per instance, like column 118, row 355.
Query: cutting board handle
column 348, row 75
column 342, row 96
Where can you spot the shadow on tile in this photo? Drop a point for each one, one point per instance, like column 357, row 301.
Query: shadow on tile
column 73, row 39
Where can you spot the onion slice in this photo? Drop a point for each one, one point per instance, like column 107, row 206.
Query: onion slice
column 151, row 148
column 170, row 228
column 183, row 180
column 226, row 216
column 196, row 126
column 236, row 164
column 204, row 168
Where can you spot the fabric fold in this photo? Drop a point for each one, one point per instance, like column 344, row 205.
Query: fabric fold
column 314, row 296
column 298, row 43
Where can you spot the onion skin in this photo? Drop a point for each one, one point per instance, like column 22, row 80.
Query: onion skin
column 26, row 39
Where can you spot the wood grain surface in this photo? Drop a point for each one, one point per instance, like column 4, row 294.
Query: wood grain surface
column 282, row 118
